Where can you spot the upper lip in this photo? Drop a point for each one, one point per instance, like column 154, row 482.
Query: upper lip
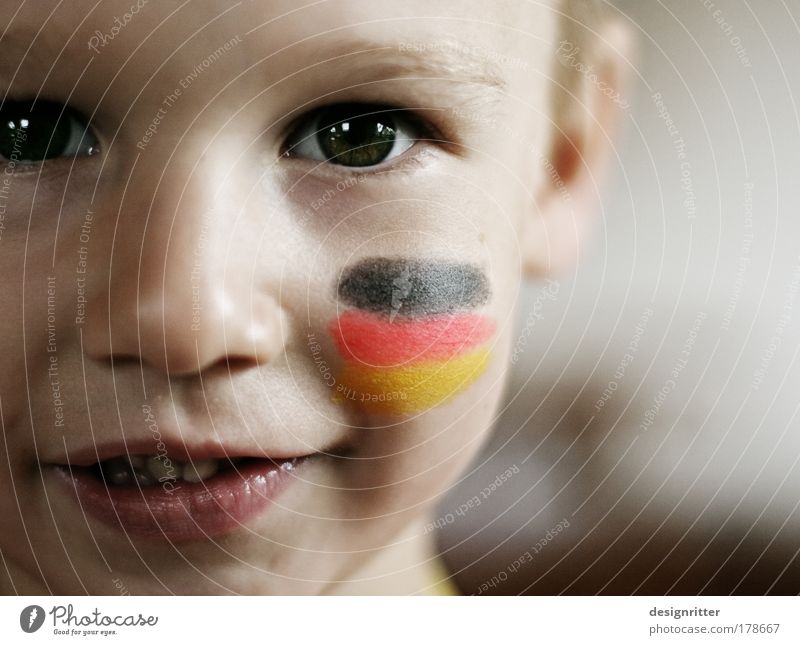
column 177, row 450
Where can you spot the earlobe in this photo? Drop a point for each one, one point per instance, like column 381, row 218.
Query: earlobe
column 588, row 111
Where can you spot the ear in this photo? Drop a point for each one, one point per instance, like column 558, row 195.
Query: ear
column 589, row 102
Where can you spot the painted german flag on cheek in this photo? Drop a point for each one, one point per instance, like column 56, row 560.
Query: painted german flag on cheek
column 412, row 339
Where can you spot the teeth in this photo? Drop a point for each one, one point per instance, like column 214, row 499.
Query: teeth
column 163, row 470
column 118, row 471
column 136, row 461
column 127, row 471
column 143, row 478
column 197, row 471
column 142, row 470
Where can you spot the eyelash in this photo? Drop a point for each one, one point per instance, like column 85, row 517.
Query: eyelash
column 423, row 131
column 65, row 134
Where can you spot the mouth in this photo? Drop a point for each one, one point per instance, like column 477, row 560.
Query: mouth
column 157, row 497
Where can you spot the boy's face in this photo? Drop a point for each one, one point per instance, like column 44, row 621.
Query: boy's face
column 288, row 233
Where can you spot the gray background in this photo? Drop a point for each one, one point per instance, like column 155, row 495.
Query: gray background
column 704, row 499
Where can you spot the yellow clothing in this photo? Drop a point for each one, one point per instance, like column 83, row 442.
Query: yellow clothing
column 441, row 582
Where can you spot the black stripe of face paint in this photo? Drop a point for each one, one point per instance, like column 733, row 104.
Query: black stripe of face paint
column 402, row 287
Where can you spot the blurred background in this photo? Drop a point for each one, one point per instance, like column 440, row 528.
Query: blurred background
column 651, row 439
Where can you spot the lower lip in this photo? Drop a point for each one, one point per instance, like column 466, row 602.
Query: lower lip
column 192, row 511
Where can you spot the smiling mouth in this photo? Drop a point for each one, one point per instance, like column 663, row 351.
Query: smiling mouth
column 149, row 470
column 153, row 497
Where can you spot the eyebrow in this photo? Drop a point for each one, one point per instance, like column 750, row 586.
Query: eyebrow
column 443, row 59
column 474, row 81
column 37, row 49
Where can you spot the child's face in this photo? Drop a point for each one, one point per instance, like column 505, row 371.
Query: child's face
column 201, row 274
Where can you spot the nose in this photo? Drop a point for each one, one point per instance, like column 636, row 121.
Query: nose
column 184, row 291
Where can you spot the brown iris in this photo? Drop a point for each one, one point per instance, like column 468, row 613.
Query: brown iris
column 350, row 138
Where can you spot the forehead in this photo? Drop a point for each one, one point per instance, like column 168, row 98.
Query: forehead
column 478, row 34
column 316, row 16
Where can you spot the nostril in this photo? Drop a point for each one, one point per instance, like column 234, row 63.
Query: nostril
column 237, row 363
column 158, row 328
column 121, row 360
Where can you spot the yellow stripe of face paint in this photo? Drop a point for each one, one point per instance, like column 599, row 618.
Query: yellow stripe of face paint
column 412, row 388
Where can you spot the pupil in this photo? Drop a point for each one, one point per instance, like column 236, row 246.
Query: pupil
column 361, row 140
column 33, row 133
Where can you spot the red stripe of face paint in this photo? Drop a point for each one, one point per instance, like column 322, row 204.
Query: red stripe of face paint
column 375, row 341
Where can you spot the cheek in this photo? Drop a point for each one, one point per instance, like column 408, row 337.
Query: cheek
column 404, row 366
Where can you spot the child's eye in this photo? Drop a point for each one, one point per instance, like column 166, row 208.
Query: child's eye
column 352, row 134
column 31, row 132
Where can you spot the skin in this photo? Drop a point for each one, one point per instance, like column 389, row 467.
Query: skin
column 210, row 192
